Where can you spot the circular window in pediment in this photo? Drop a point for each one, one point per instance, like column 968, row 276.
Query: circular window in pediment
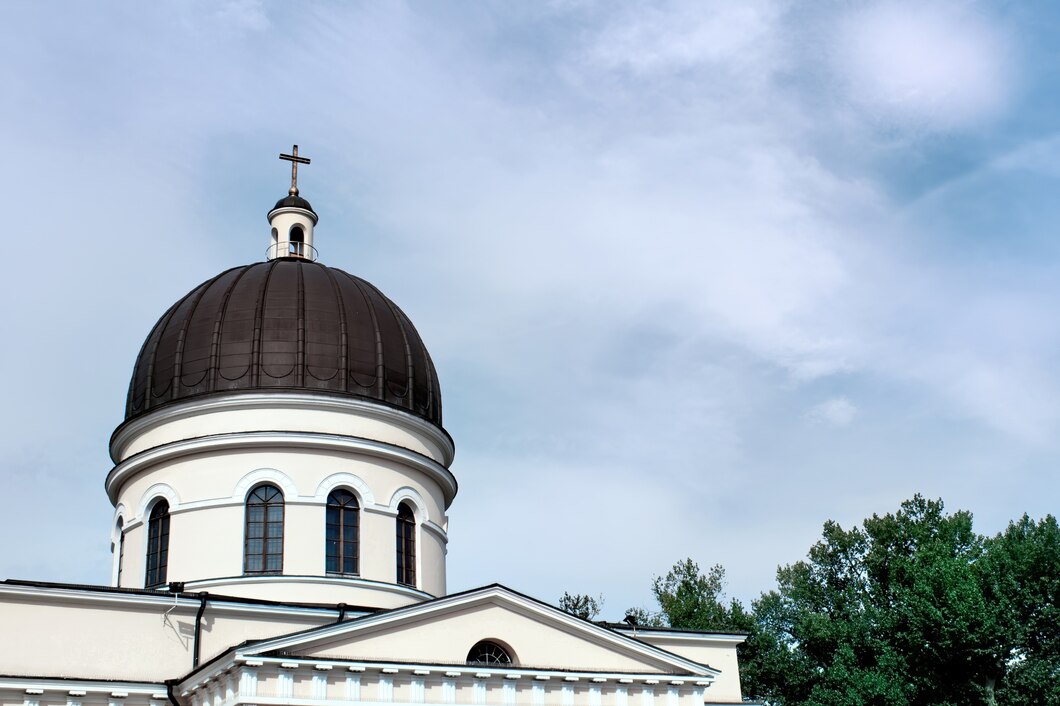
column 488, row 652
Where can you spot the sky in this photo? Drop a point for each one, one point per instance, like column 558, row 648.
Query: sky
column 697, row 276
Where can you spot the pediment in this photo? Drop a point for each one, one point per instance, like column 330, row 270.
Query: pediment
column 442, row 632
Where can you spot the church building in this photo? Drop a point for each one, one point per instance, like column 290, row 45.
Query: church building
column 280, row 486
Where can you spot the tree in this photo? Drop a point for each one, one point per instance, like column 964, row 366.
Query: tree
column 1020, row 575
column 693, row 600
column 581, row 604
column 690, row 599
column 913, row 607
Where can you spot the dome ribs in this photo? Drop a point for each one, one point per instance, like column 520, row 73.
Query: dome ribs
column 141, row 377
column 259, row 312
column 365, row 354
column 285, row 325
column 167, row 366
column 325, row 328
column 279, row 327
column 178, row 358
column 410, row 375
column 377, row 336
column 343, row 360
column 300, row 357
column 215, row 337
column 419, row 366
column 390, row 337
column 198, row 336
column 235, row 354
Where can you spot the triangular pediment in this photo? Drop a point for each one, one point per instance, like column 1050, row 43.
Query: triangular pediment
column 442, row 632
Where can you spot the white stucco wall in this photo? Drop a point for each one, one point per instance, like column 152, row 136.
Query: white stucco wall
column 205, row 457
column 62, row 633
column 531, row 642
column 718, row 652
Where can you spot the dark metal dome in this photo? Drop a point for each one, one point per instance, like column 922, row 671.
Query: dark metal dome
column 287, row 324
column 293, row 201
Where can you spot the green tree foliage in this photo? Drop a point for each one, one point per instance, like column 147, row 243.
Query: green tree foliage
column 912, row 608
column 690, row 599
column 1021, row 581
column 581, row 604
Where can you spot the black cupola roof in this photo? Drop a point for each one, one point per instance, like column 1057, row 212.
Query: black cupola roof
column 288, row 324
column 293, row 201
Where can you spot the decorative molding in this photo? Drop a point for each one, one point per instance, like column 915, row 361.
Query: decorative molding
column 120, row 513
column 264, row 475
column 344, row 581
column 356, row 485
column 413, row 498
column 36, row 686
column 158, row 489
column 164, row 600
column 289, row 441
column 725, row 638
column 242, row 401
column 529, row 676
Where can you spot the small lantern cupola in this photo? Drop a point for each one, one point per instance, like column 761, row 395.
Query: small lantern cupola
column 292, row 220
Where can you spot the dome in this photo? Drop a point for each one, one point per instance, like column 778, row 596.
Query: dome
column 294, row 201
column 287, row 324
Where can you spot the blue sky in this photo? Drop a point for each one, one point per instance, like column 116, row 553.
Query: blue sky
column 697, row 276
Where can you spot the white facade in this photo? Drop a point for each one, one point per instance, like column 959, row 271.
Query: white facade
column 204, row 456
column 207, row 630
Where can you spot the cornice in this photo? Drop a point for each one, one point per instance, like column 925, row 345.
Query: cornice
column 90, row 687
column 243, row 659
column 292, row 209
column 340, row 581
column 256, row 400
column 153, row 602
column 287, row 440
column 726, row 638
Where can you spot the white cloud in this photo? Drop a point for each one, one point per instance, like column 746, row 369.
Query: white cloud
column 932, row 64
column 617, row 242
column 677, row 36
column 248, row 14
column 837, row 412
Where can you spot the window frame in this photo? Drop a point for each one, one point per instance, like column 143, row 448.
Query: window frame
column 493, row 647
column 349, row 506
column 255, row 498
column 156, row 558
column 121, row 551
column 405, row 536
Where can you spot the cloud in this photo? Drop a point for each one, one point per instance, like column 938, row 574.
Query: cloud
column 837, row 412
column 677, row 36
column 614, row 226
column 932, row 65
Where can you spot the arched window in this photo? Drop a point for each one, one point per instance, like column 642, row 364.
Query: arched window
column 121, row 549
column 263, row 546
column 488, row 652
column 297, row 240
column 342, row 530
column 406, row 545
column 157, row 545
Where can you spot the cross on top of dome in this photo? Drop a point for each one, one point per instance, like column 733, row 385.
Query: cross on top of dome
column 292, row 219
column 295, row 160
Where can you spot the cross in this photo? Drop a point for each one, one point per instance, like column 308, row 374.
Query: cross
column 295, row 160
